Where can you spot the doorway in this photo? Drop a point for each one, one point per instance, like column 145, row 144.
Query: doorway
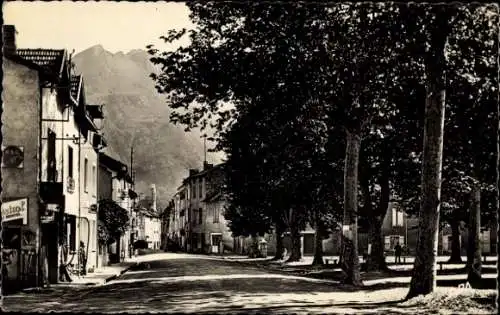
column 49, row 253
column 11, row 237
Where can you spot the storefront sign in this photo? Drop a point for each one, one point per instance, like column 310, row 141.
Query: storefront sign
column 14, row 210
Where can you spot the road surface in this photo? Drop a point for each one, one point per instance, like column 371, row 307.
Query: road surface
column 199, row 284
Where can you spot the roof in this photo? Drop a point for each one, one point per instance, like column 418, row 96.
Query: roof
column 205, row 172
column 24, row 62
column 111, row 163
column 49, row 59
column 144, row 206
column 76, row 83
column 215, row 196
column 95, row 111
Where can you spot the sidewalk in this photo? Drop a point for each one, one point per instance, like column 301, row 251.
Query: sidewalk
column 98, row 277
column 103, row 274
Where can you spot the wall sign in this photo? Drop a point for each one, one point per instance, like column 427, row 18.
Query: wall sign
column 71, row 185
column 14, row 210
column 12, row 156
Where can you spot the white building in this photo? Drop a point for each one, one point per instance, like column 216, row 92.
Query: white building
column 116, row 184
column 148, row 220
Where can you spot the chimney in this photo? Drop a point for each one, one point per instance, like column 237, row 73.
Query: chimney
column 9, row 40
column 207, row 165
column 153, row 196
column 192, row 171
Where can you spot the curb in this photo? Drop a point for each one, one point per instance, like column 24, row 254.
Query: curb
column 113, row 277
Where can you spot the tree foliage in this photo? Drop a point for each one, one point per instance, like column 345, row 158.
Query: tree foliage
column 113, row 221
column 284, row 83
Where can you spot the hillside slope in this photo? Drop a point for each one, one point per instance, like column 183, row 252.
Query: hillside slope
column 135, row 114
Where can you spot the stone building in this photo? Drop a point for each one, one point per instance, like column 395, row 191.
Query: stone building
column 45, row 126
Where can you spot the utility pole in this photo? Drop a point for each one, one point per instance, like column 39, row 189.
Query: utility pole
column 132, row 166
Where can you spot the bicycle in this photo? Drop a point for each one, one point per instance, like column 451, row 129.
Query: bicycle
column 70, row 267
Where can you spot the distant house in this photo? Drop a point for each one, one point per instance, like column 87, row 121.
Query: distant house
column 148, row 222
column 115, row 183
column 488, row 238
column 197, row 222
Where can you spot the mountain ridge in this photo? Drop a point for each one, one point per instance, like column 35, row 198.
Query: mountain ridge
column 136, row 115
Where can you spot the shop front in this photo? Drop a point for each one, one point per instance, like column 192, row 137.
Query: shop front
column 19, row 251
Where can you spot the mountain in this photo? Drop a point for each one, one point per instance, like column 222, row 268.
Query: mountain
column 136, row 114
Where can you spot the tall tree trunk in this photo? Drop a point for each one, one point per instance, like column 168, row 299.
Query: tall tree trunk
column 474, row 255
column 295, row 251
column 254, row 247
column 318, row 242
column 456, row 252
column 280, row 247
column 423, row 279
column 350, row 256
column 376, row 259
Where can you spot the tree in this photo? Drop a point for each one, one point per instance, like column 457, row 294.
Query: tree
column 237, row 57
column 113, row 221
column 432, row 28
column 275, row 165
column 360, row 94
column 469, row 120
column 473, row 64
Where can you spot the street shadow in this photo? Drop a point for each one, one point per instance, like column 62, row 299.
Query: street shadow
column 384, row 286
column 291, row 307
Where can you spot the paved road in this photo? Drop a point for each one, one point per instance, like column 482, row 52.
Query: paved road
column 198, row 284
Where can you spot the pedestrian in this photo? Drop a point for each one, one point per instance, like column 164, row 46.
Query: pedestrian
column 83, row 258
column 397, row 253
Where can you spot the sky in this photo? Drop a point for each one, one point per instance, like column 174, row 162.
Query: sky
column 116, row 26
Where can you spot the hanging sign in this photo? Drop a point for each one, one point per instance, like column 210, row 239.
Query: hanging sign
column 15, row 210
column 71, row 185
column 47, row 218
column 52, row 207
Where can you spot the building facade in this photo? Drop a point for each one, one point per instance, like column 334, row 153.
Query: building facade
column 45, row 125
column 196, row 222
column 148, row 223
column 116, row 184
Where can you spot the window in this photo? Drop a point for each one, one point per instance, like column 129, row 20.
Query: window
column 387, row 243
column 391, row 241
column 85, row 175
column 193, row 189
column 51, row 156
column 195, row 215
column 94, row 180
column 216, row 214
column 70, row 162
column 397, row 217
column 200, row 216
